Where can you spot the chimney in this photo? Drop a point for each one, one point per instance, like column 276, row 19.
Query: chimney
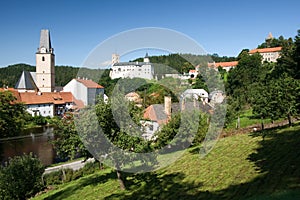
column 168, row 106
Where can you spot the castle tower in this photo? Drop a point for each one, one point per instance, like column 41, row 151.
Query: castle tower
column 115, row 58
column 146, row 58
column 45, row 74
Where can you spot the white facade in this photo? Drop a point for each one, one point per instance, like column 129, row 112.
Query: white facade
column 270, row 56
column 198, row 94
column 44, row 110
column 143, row 70
column 85, row 90
column 78, row 90
column 149, row 128
column 132, row 70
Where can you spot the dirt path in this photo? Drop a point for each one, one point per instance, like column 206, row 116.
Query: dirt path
column 255, row 127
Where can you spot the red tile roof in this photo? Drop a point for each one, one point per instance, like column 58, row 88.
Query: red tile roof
column 89, row 83
column 46, row 97
column 265, row 50
column 192, row 71
column 223, row 64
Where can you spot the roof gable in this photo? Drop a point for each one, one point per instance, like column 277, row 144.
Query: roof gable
column 89, row 83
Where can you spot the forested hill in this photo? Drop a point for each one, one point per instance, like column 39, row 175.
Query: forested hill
column 184, row 62
column 63, row 74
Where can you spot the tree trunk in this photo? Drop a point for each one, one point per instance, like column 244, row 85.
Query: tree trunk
column 262, row 124
column 238, row 122
column 122, row 185
column 119, row 175
column 290, row 120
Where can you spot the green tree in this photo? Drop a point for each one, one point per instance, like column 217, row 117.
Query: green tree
column 12, row 115
column 67, row 142
column 21, row 177
column 113, row 134
column 240, row 78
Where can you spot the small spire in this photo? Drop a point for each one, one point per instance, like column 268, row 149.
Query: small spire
column 270, row 36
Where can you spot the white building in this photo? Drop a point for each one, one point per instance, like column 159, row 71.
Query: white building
column 85, row 90
column 47, row 103
column 198, row 94
column 143, row 70
column 268, row 54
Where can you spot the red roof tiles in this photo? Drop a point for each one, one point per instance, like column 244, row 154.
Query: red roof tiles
column 46, row 97
column 265, row 50
column 223, row 64
column 89, row 83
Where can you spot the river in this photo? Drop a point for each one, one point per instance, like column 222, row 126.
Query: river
column 36, row 141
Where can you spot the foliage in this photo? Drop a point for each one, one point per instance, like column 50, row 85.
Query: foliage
column 239, row 167
column 67, row 175
column 274, row 42
column 185, row 123
column 279, row 97
column 21, row 177
column 67, row 142
column 12, row 115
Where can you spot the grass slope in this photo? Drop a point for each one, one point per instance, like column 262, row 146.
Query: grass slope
column 239, row 167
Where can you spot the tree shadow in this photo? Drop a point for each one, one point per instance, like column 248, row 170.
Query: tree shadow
column 85, row 181
column 277, row 159
column 153, row 185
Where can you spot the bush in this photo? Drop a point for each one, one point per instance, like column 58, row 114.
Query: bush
column 21, row 177
column 67, row 175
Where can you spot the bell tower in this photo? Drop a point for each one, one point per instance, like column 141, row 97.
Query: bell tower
column 45, row 61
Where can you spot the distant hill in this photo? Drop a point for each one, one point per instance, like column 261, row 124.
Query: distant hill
column 63, row 74
column 183, row 62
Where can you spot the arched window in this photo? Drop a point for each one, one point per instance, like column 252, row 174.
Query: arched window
column 43, row 58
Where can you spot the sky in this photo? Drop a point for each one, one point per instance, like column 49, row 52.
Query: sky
column 78, row 27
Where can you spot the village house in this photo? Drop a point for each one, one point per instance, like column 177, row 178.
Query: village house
column 85, row 90
column 268, row 54
column 224, row 65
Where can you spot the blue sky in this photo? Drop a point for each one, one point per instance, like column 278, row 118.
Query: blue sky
column 77, row 27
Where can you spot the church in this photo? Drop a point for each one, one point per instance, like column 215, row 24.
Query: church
column 37, row 89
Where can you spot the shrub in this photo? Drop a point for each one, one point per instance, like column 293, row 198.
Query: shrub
column 21, row 177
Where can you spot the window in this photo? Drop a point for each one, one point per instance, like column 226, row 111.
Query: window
column 43, row 58
column 151, row 127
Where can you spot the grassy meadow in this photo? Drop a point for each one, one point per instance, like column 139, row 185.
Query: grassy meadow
column 244, row 166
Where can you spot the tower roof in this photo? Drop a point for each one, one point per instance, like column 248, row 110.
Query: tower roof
column 26, row 82
column 45, row 40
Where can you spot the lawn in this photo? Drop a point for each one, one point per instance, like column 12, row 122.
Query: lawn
column 247, row 119
column 239, row 167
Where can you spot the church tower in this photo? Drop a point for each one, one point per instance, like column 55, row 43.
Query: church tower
column 45, row 74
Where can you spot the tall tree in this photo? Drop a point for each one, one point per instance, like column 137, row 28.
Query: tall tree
column 12, row 115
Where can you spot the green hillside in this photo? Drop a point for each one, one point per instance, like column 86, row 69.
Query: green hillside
column 63, row 74
column 239, row 167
